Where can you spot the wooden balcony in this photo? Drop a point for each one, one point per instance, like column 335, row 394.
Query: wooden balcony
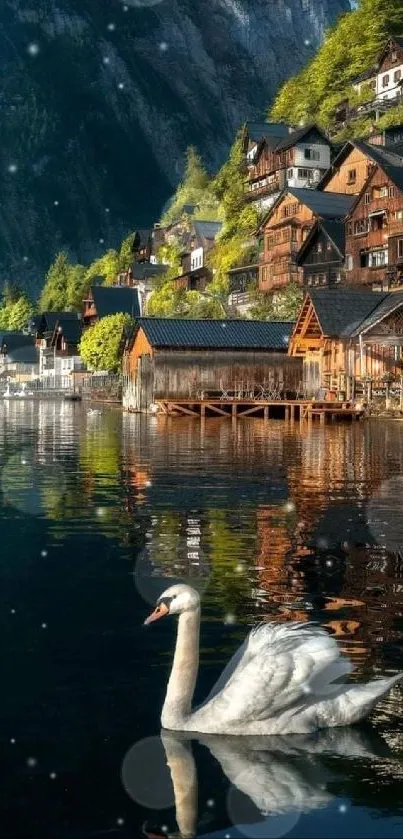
column 262, row 190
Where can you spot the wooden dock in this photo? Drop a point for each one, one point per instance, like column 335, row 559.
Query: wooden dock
column 288, row 409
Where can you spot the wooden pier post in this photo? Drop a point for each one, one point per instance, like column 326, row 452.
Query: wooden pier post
column 202, row 411
column 292, row 413
column 234, row 410
column 286, row 413
column 266, row 412
column 322, row 418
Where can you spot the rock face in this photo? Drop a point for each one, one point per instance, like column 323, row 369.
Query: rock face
column 100, row 99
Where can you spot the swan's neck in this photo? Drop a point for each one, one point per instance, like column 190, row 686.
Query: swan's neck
column 183, row 676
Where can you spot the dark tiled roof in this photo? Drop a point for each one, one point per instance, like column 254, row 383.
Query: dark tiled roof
column 367, row 74
column 111, row 300
column 298, row 135
column 144, row 270
column 50, row 319
column 272, row 132
column 388, row 161
column 340, row 312
column 71, row 330
column 20, row 348
column 217, row 334
column 388, row 305
column 207, row 229
column 335, row 232
column 324, row 204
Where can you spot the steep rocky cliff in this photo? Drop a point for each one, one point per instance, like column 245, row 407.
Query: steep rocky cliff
column 99, row 100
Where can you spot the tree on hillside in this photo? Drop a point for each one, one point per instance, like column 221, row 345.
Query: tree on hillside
column 15, row 311
column 101, row 344
column 64, row 287
column 350, row 46
column 194, row 189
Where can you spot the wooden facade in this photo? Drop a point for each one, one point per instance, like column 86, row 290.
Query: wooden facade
column 341, row 360
column 349, row 171
column 321, row 256
column 283, row 232
column 374, row 234
column 173, row 372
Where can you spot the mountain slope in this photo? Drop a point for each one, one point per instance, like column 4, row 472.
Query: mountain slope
column 99, row 101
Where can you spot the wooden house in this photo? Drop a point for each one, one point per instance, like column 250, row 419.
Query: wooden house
column 321, row 256
column 374, row 226
column 286, row 226
column 241, row 281
column 110, row 300
column 298, row 158
column 195, row 270
column 346, row 336
column 392, row 136
column 57, row 336
column 19, row 356
column 389, row 70
column 169, row 358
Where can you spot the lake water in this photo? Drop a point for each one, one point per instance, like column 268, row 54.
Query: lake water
column 99, row 512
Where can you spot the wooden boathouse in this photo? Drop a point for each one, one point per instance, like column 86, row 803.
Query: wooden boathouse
column 350, row 342
column 188, row 363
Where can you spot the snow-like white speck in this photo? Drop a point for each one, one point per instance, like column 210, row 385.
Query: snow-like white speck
column 56, row 203
column 121, row 86
column 44, row 625
column 33, row 49
column 31, row 762
column 111, row 27
column 53, row 776
column 210, row 802
column 13, row 168
column 106, row 60
column 120, row 821
column 12, row 741
column 44, row 553
column 229, row 619
column 163, row 46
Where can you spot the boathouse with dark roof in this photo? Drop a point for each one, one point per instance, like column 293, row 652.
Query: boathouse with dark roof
column 169, row 358
column 349, row 339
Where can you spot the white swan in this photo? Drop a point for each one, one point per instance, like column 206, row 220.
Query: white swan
column 280, row 681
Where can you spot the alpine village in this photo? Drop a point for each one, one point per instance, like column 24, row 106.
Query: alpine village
column 273, row 288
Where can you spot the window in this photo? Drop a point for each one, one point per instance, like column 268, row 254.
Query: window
column 349, row 262
column 394, row 55
column 312, row 154
column 391, row 192
column 304, row 173
column 351, row 176
column 291, row 209
column 397, row 75
column 374, row 259
column 290, row 173
column 329, row 246
column 335, row 277
column 349, row 228
column 319, row 248
column 360, row 226
column 367, row 199
column 385, row 80
column 400, row 248
column 399, row 215
column 294, row 234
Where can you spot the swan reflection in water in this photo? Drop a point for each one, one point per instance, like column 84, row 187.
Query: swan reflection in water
column 274, row 779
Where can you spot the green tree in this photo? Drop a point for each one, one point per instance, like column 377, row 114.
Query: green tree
column 15, row 311
column 54, row 293
column 350, row 47
column 194, row 189
column 282, row 305
column 101, row 344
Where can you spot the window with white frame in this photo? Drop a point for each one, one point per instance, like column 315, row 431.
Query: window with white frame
column 312, row 154
column 349, row 262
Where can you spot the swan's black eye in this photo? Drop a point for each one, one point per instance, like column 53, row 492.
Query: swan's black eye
column 166, row 601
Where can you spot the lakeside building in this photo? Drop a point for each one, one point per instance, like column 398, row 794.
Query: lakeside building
column 169, row 358
column 195, row 270
column 19, row 357
column 349, row 340
column 110, row 300
column 57, row 336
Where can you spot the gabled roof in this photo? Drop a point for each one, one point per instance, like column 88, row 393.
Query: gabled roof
column 20, row 347
column 390, row 162
column 377, row 154
column 70, row 329
column 207, row 229
column 298, row 135
column 367, row 74
column 50, row 319
column 145, row 270
column 216, row 334
column 392, row 40
column 272, row 132
column 332, row 205
column 341, row 311
column 389, row 304
column 111, row 300
column 333, row 230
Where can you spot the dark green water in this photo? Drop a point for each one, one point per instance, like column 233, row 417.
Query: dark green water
column 99, row 513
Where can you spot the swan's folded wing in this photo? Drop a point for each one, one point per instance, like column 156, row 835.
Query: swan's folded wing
column 278, row 668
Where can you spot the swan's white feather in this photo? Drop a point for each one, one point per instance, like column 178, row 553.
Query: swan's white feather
column 282, row 679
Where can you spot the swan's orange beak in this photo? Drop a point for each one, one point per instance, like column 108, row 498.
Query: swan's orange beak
column 159, row 612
